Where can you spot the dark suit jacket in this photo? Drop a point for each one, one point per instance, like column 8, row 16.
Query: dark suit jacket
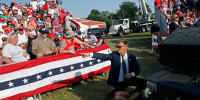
column 172, row 27
column 115, row 65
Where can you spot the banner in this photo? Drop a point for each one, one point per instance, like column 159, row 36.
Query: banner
column 155, row 40
column 32, row 77
column 161, row 20
column 186, row 21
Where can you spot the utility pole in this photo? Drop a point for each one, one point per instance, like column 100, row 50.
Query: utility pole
column 111, row 20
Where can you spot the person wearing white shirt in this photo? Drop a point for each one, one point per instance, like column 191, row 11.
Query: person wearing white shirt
column 124, row 69
column 34, row 5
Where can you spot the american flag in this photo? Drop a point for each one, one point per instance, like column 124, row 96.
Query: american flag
column 29, row 78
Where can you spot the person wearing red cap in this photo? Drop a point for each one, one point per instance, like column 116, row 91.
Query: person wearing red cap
column 5, row 16
column 52, row 37
column 174, row 23
column 23, row 35
column 15, row 6
column 68, row 19
column 2, row 24
column 62, row 20
column 6, row 32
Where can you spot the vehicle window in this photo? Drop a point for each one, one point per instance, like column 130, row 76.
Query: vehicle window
column 120, row 22
column 126, row 21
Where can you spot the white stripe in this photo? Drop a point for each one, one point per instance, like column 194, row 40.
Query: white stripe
column 45, row 67
column 50, row 80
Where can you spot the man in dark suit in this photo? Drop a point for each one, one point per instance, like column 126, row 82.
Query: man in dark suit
column 197, row 14
column 124, row 68
column 174, row 24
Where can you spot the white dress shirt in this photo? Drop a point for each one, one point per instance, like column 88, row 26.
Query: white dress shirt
column 121, row 76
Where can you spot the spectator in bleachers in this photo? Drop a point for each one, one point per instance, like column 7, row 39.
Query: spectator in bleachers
column 187, row 15
column 29, row 47
column 183, row 5
column 57, row 25
column 39, row 23
column 6, row 31
column 19, row 23
column 170, row 7
column 68, row 19
column 34, row 5
column 43, row 46
column 21, row 44
column 22, row 35
column 174, row 23
column 57, row 9
column 62, row 19
column 197, row 14
column 92, row 39
column 41, row 4
column 45, row 7
column 31, row 29
column 190, row 4
column 52, row 37
column 4, row 16
column 15, row 6
column 13, row 53
column 163, row 9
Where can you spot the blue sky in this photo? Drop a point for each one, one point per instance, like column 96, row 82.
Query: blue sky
column 82, row 8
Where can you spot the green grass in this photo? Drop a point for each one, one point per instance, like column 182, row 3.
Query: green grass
column 96, row 88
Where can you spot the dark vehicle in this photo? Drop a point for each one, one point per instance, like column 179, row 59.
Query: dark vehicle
column 104, row 31
column 96, row 31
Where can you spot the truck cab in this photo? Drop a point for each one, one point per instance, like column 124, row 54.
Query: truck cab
column 120, row 28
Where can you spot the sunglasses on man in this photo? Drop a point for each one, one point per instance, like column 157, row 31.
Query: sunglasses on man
column 119, row 47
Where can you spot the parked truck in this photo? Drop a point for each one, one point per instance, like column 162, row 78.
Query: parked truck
column 124, row 26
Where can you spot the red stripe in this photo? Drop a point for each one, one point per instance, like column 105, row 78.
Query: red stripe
column 57, row 85
column 77, row 25
column 155, row 33
column 155, row 46
column 40, row 61
column 164, row 34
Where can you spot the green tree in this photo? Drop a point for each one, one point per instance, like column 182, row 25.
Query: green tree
column 128, row 10
column 94, row 15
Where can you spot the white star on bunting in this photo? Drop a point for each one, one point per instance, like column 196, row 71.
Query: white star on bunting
column 72, row 67
column 81, row 65
column 90, row 63
column 11, row 84
column 50, row 73
column 38, row 77
column 61, row 70
column 25, row 80
column 99, row 60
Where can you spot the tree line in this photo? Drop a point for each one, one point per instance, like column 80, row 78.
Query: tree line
column 127, row 9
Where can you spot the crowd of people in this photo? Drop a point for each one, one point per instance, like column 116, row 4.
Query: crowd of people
column 38, row 29
column 180, row 13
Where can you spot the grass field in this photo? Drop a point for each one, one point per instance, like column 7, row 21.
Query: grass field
column 96, row 88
